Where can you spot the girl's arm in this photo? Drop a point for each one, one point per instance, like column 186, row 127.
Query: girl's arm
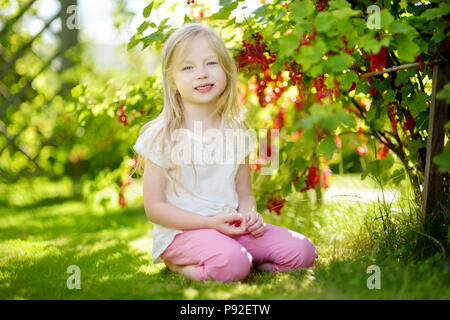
column 247, row 203
column 244, row 188
column 159, row 211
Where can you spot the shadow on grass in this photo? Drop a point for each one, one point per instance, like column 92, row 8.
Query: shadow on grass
column 113, row 252
column 38, row 203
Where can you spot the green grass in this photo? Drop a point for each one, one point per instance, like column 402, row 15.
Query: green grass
column 40, row 237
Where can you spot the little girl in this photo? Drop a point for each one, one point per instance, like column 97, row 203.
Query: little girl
column 204, row 215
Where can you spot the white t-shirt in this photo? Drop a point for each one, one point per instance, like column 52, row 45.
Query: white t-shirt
column 214, row 192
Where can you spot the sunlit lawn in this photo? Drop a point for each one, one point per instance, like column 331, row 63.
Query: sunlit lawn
column 42, row 235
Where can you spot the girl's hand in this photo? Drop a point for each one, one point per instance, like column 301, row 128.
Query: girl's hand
column 230, row 224
column 255, row 223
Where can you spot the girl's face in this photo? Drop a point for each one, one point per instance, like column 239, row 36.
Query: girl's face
column 197, row 74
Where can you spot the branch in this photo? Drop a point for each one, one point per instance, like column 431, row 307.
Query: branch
column 420, row 82
column 392, row 69
column 396, row 137
column 387, row 142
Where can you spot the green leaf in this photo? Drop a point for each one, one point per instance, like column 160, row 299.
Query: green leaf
column 301, row 9
column 329, row 121
column 370, row 43
column 83, row 115
column 224, row 3
column 362, row 86
column 386, row 18
column 338, row 4
column 379, row 168
column 261, row 11
column 69, row 108
column 147, row 10
column 407, row 48
column 432, row 13
column 316, row 70
column 300, row 164
column 327, row 147
column 305, row 123
column 346, row 118
column 414, row 147
column 134, row 41
column 224, row 12
column 402, row 77
column 397, row 176
column 373, row 113
column 231, row 22
column 360, row 26
column 289, row 145
column 344, row 13
column 403, row 4
column 144, row 25
column 148, row 40
column 308, row 138
column 389, row 96
column 281, row 15
column 309, row 55
column 324, row 21
column 287, row 45
column 401, row 27
column 447, row 126
column 346, row 80
column 443, row 160
column 344, row 26
column 78, row 90
column 338, row 63
column 444, row 93
column 419, row 104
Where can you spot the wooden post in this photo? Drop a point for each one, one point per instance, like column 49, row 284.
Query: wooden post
column 69, row 35
column 436, row 132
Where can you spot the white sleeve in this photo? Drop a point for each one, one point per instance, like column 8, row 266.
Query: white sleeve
column 153, row 152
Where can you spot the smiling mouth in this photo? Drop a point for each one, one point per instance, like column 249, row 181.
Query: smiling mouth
column 205, row 87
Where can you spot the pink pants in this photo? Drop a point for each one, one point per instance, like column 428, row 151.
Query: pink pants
column 226, row 258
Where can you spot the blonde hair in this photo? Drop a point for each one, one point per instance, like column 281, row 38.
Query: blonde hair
column 171, row 118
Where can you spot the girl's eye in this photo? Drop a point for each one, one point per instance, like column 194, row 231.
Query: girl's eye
column 211, row 62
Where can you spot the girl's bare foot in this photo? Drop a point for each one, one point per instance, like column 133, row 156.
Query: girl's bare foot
column 172, row 267
column 187, row 271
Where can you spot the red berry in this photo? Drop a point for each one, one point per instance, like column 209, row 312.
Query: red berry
column 275, row 204
column 321, row 5
column 122, row 201
column 362, row 150
column 353, row 87
column 383, row 151
column 338, row 142
column 254, row 54
column 312, row 178
column 421, row 66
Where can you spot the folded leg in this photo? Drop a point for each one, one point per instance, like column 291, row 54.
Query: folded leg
column 213, row 254
column 279, row 249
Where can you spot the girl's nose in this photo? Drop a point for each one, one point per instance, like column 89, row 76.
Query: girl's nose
column 202, row 73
